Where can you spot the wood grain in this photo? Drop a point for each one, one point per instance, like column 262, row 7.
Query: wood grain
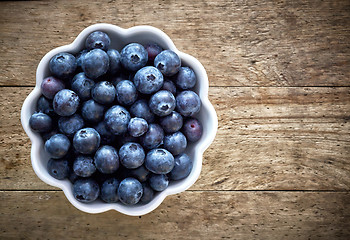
column 268, row 138
column 240, row 43
column 189, row 215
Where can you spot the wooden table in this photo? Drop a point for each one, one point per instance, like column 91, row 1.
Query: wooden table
column 279, row 74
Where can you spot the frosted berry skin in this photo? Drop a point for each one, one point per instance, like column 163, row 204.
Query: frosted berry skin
column 106, row 159
column 66, row 102
column 82, row 86
column 169, row 86
column 192, row 129
column 153, row 50
column 114, row 61
column 57, row 146
column 130, row 191
column 148, row 193
column 109, row 190
column 58, row 168
column 162, row 103
column 158, row 182
column 50, row 86
column 168, row 62
column 63, row 65
column 70, row 125
column 95, row 63
column 148, row 80
column 153, row 137
column 103, row 92
column 188, row 103
column 182, row 168
column 126, row 92
column 141, row 109
column 137, row 127
column 92, row 111
column 40, row 122
column 131, row 155
column 79, row 58
column 86, row 141
column 45, row 106
column 159, row 161
column 86, row 190
column 133, row 56
column 117, row 119
column 172, row 123
column 175, row 143
column 84, row 166
column 141, row 173
column 97, row 40
column 106, row 136
column 186, row 78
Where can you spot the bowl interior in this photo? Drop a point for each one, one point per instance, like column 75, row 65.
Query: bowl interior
column 119, row 38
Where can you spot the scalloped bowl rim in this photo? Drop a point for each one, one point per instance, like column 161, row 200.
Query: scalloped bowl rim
column 65, row 185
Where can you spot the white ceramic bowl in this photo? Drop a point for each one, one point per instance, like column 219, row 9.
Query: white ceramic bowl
column 119, row 38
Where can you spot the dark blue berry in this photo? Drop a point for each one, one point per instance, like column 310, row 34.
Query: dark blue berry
column 148, row 193
column 79, row 57
column 168, row 62
column 134, row 56
column 86, row 190
column 117, row 119
column 182, row 168
column 82, row 86
column 106, row 136
column 153, row 137
column 69, row 125
column 86, row 141
column 63, row 65
column 175, row 143
column 103, row 92
column 45, row 106
column 188, row 103
column 186, row 78
column 172, row 123
column 50, row 86
column 66, row 102
column 109, row 190
column 126, row 92
column 141, row 173
column 84, row 166
column 159, row 161
column 141, row 109
column 114, row 61
column 131, row 155
column 158, row 182
column 130, row 191
column 92, row 111
column 57, row 146
column 153, row 50
column 192, row 129
column 58, row 168
column 148, row 80
column 95, row 63
column 40, row 122
column 169, row 86
column 97, row 40
column 137, row 127
column 162, row 103
column 106, row 159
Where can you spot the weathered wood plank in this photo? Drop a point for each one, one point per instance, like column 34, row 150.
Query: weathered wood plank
column 241, row 43
column 189, row 215
column 268, row 138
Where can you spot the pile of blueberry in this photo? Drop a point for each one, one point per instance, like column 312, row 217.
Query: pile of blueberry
column 117, row 124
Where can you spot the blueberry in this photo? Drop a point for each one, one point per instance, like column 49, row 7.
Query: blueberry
column 103, row 92
column 106, row 136
column 137, row 127
column 69, row 125
column 86, row 190
column 46, row 136
column 188, row 103
column 186, row 78
column 72, row 176
column 66, row 102
column 117, row 119
column 57, row 146
column 114, row 61
column 82, row 85
column 109, row 190
column 95, row 63
column 45, row 106
column 125, row 138
column 158, row 182
column 175, row 143
column 153, row 50
column 141, row 109
column 79, row 57
column 40, row 122
column 106, row 159
column 50, row 86
column 162, row 103
column 126, row 92
column 148, row 193
column 159, row 161
column 183, row 167
column 97, row 40
column 192, row 129
column 169, row 86
column 58, row 168
column 92, row 111
column 172, row 123
column 148, row 80
column 84, row 166
column 168, row 62
column 86, row 140
column 133, row 56
column 63, row 65
column 131, row 155
column 130, row 191
column 141, row 173
column 153, row 137
column 116, row 79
